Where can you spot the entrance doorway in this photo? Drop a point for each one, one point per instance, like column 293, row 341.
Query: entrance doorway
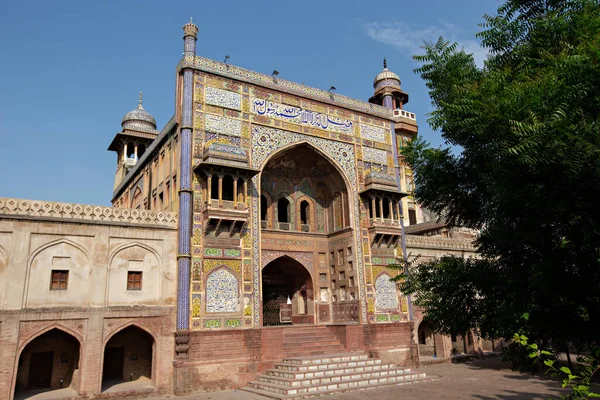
column 287, row 293
column 128, row 360
column 40, row 370
column 114, row 358
column 48, row 362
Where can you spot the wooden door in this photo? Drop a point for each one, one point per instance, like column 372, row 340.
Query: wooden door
column 40, row 370
column 114, row 358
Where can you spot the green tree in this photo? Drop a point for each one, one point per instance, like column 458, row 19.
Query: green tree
column 523, row 166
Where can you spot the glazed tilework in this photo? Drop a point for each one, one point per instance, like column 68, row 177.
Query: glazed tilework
column 375, row 156
column 235, row 265
column 267, row 141
column 386, row 296
column 223, row 125
column 370, row 132
column 222, row 292
column 306, row 259
column 245, row 75
column 223, row 98
column 300, row 116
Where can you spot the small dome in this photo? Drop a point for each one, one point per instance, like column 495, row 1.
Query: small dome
column 387, row 75
column 139, row 119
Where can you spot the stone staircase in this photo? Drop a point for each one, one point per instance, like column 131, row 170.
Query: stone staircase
column 299, row 377
column 310, row 341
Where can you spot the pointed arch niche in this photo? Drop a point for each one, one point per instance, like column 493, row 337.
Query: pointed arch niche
column 295, row 177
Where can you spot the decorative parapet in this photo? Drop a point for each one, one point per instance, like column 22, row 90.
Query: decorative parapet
column 438, row 243
column 231, row 71
column 405, row 114
column 83, row 212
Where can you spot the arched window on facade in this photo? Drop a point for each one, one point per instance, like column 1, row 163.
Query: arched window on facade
column 263, row 207
column 283, row 210
column 304, row 212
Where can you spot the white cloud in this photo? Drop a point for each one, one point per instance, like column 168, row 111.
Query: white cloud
column 409, row 40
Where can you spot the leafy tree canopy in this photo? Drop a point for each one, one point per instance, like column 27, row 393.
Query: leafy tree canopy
column 527, row 175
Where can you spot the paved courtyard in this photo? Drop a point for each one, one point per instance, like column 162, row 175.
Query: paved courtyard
column 480, row 379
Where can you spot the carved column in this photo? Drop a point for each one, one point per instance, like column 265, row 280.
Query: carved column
column 124, row 151
column 391, row 208
column 245, row 193
column 374, row 207
column 381, row 208
column 209, row 188
column 235, row 193
column 220, row 190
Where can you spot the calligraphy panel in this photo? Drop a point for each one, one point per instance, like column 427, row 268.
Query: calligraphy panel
column 300, row 116
column 223, row 125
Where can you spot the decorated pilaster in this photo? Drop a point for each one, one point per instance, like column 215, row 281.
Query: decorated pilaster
column 185, row 190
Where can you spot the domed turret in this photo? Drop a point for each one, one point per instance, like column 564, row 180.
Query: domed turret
column 388, row 92
column 139, row 119
column 386, row 77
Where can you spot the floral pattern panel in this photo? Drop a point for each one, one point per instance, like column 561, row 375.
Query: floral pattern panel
column 385, row 293
column 222, row 292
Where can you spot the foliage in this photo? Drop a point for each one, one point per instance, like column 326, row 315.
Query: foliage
column 526, row 174
column 577, row 380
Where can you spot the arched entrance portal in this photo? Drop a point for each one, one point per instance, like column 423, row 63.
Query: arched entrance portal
column 48, row 362
column 128, row 358
column 426, row 339
column 287, row 293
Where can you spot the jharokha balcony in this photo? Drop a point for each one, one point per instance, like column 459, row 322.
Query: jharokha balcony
column 382, row 199
column 225, row 201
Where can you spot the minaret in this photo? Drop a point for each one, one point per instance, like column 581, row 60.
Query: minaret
column 190, row 32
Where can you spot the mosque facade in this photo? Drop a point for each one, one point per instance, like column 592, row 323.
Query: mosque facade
column 264, row 211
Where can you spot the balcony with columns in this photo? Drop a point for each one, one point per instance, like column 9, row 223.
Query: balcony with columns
column 225, row 204
column 382, row 198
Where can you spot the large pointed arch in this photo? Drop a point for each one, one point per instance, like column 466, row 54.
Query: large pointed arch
column 129, row 357
column 60, row 343
column 348, row 181
column 32, row 257
column 287, row 285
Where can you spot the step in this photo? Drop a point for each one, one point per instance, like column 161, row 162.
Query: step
column 311, row 342
column 325, row 366
column 334, row 369
column 329, row 358
column 339, row 385
column 327, row 347
column 309, row 338
column 278, row 396
column 341, row 376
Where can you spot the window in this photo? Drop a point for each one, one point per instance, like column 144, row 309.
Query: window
column 412, row 216
column 263, row 207
column 134, row 280
column 59, row 280
column 304, row 212
column 283, row 206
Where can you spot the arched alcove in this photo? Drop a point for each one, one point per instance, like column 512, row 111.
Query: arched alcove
column 49, row 362
column 286, row 279
column 222, row 292
column 128, row 360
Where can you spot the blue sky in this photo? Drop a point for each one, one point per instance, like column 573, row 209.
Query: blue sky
column 70, row 70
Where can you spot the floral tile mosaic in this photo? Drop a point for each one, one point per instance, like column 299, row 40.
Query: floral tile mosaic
column 222, row 292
